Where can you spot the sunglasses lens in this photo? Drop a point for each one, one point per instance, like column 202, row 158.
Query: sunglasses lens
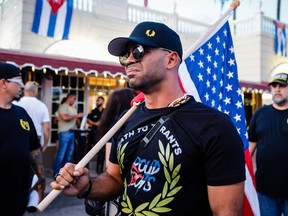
column 137, row 54
column 122, row 60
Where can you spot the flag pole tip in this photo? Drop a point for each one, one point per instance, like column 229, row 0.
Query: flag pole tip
column 235, row 4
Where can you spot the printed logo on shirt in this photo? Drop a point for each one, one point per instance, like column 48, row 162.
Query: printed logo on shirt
column 144, row 129
column 25, row 125
column 142, row 178
column 143, row 172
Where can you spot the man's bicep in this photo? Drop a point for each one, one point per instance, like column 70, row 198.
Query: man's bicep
column 227, row 199
column 114, row 171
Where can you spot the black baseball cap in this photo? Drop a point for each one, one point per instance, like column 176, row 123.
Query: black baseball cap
column 8, row 71
column 281, row 78
column 151, row 34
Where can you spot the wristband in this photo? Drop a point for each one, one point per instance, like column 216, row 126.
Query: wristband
column 85, row 195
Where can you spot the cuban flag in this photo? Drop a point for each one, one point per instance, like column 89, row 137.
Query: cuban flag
column 280, row 39
column 210, row 74
column 52, row 18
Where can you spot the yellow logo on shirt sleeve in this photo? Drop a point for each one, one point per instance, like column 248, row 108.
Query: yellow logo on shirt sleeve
column 25, row 125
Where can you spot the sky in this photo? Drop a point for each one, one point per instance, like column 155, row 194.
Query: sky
column 208, row 11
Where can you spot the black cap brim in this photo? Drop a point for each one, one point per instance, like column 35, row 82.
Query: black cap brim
column 119, row 45
column 279, row 82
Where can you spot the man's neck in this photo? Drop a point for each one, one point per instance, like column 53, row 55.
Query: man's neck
column 100, row 108
column 5, row 104
column 161, row 100
column 29, row 94
column 282, row 107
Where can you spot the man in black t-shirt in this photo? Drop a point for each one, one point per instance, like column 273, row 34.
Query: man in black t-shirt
column 19, row 146
column 93, row 136
column 93, row 121
column 268, row 132
column 193, row 164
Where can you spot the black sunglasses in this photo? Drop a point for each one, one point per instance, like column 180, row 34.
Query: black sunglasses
column 137, row 53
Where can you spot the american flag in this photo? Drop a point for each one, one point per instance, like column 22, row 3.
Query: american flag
column 210, row 75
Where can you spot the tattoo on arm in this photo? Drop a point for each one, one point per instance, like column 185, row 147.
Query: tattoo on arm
column 37, row 163
column 38, row 168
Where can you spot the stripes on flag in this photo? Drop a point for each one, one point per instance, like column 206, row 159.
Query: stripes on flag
column 280, row 39
column 52, row 18
column 210, row 75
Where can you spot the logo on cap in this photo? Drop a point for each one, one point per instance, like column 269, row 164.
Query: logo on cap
column 281, row 76
column 150, row 33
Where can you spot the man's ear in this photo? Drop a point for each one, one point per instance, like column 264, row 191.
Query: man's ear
column 173, row 60
column 3, row 83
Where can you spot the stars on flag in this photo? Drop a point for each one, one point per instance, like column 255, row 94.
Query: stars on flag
column 213, row 69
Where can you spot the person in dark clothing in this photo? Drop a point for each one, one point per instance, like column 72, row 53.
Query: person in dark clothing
column 268, row 133
column 192, row 161
column 93, row 120
column 20, row 150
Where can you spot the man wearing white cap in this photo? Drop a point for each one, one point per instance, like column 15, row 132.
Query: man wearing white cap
column 37, row 110
column 268, row 132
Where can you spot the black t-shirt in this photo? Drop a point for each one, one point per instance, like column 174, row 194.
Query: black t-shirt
column 95, row 116
column 17, row 138
column 198, row 146
column 269, row 128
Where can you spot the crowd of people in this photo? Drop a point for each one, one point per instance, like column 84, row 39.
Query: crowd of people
column 173, row 156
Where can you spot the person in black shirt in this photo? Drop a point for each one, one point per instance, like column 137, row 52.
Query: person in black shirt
column 192, row 165
column 268, row 133
column 19, row 146
column 93, row 121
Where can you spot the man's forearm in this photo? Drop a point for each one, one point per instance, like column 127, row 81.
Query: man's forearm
column 46, row 126
column 105, row 187
column 37, row 163
column 37, row 166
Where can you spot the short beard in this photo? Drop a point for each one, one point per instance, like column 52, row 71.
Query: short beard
column 145, row 84
column 280, row 102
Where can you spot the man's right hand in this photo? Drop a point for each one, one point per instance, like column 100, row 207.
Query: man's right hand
column 72, row 182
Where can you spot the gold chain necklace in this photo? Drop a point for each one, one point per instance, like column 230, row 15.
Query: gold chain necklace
column 179, row 101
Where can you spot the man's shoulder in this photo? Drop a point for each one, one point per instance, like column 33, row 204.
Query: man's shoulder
column 64, row 105
column 264, row 109
column 17, row 107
